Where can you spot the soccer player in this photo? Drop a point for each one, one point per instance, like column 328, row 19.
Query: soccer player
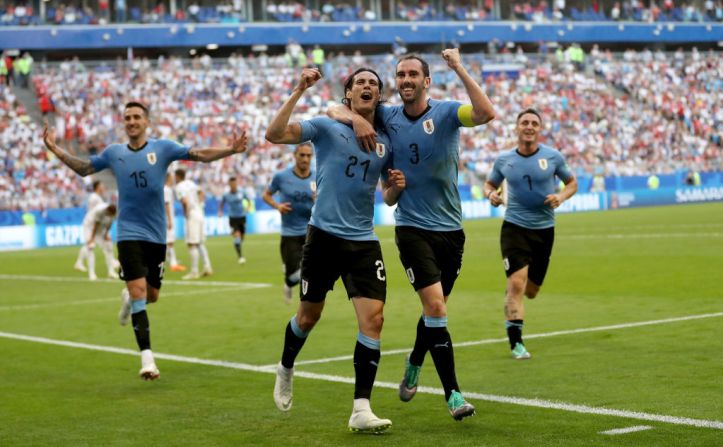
column 96, row 226
column 296, row 187
column 140, row 169
column 171, row 258
column 191, row 198
column 340, row 240
column 94, row 199
column 528, row 230
column 429, row 235
column 237, row 204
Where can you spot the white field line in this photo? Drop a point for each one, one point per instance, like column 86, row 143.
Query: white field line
column 61, row 303
column 530, row 336
column 202, row 283
column 622, row 431
column 539, row 403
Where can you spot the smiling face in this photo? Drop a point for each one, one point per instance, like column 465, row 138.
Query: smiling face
column 302, row 157
column 364, row 92
column 136, row 122
column 412, row 83
column 528, row 129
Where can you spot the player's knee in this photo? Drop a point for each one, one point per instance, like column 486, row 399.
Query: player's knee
column 374, row 322
column 308, row 320
column 515, row 286
column 436, row 308
column 531, row 290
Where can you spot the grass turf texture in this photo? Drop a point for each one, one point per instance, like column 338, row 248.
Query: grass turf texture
column 607, row 268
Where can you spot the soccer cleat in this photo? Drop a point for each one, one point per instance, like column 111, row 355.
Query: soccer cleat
column 149, row 370
column 283, row 388
column 287, row 294
column 458, row 407
column 178, row 268
column 192, row 275
column 242, row 260
column 92, row 276
column 124, row 313
column 207, row 272
column 520, row 353
column 364, row 421
column 112, row 274
column 80, row 267
column 408, row 386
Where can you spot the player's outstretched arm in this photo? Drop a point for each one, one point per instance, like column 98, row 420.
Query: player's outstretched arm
column 393, row 187
column 279, row 130
column 482, row 109
column 209, row 154
column 363, row 129
column 81, row 167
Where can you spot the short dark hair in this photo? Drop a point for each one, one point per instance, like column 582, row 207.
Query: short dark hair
column 304, row 144
column 180, row 173
column 138, row 104
column 95, row 184
column 231, row 179
column 350, row 80
column 529, row 110
column 425, row 65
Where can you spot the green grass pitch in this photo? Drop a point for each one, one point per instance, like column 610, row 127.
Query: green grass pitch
column 608, row 269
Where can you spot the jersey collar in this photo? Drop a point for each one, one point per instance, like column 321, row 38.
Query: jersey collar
column 139, row 149
column 529, row 155
column 415, row 118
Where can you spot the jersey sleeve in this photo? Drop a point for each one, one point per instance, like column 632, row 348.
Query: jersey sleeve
column 310, row 129
column 100, row 162
column 455, row 111
column 275, row 185
column 176, row 151
column 383, row 114
column 562, row 170
column 496, row 177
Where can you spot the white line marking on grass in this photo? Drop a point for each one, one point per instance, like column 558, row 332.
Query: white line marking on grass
column 202, row 283
column 529, row 336
column 622, row 431
column 60, row 303
column 539, row 403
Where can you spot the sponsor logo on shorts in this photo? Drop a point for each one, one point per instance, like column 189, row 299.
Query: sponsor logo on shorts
column 506, row 263
column 304, row 286
column 410, row 275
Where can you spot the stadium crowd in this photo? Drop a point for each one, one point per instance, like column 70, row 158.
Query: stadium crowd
column 668, row 120
column 18, row 13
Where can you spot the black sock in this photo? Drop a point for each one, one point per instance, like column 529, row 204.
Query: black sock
column 366, row 362
column 440, row 346
column 416, row 358
column 237, row 246
column 514, row 332
column 292, row 347
column 142, row 329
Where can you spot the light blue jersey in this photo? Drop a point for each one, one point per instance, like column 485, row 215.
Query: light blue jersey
column 235, row 201
column 529, row 180
column 427, row 151
column 299, row 192
column 140, row 175
column 346, row 178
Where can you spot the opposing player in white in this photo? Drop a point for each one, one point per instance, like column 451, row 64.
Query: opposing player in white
column 189, row 194
column 96, row 230
column 170, row 226
column 94, row 199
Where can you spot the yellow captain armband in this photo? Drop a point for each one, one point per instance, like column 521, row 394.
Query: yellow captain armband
column 464, row 113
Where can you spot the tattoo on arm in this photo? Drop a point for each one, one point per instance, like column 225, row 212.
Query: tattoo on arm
column 81, row 167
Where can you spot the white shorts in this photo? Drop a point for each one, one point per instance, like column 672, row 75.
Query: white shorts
column 194, row 229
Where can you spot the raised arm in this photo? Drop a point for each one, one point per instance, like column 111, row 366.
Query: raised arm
column 209, row 154
column 363, row 129
column 81, row 167
column 482, row 109
column 279, row 130
column 393, row 187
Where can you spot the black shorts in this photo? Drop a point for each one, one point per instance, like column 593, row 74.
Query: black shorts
column 523, row 246
column 237, row 224
column 326, row 257
column 291, row 249
column 142, row 259
column 430, row 257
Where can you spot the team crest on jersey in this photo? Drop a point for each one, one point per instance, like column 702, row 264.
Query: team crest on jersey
column 312, row 186
column 304, row 286
column 151, row 158
column 543, row 163
column 428, row 126
column 410, row 275
column 381, row 150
